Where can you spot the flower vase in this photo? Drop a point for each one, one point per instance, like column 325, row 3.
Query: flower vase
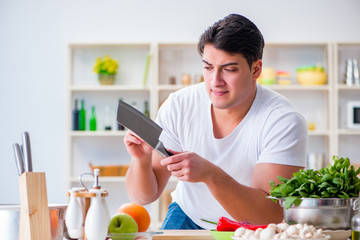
column 106, row 79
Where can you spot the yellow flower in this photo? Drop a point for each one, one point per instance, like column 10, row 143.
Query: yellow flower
column 106, row 65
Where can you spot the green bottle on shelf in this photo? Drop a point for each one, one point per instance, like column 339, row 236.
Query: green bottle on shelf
column 82, row 116
column 92, row 123
column 146, row 111
column 107, row 119
column 75, row 113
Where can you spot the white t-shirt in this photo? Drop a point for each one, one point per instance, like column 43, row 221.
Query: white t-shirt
column 271, row 132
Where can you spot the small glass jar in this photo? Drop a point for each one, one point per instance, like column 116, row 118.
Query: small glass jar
column 186, row 79
column 172, row 80
column 198, row 78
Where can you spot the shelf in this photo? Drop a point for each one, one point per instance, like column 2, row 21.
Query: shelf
column 296, row 87
column 101, row 179
column 95, row 88
column 319, row 133
column 346, row 87
column 114, row 179
column 169, row 87
column 349, row 132
column 97, row 133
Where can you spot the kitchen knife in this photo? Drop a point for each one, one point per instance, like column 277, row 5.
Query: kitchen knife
column 18, row 158
column 143, row 126
column 27, row 152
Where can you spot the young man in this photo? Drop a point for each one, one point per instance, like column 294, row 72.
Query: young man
column 229, row 135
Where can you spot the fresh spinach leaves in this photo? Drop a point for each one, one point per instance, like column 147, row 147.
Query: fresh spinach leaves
column 338, row 180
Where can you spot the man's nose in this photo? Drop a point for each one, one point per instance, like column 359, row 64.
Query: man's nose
column 217, row 79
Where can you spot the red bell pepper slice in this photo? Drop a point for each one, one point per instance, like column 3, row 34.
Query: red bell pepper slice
column 225, row 224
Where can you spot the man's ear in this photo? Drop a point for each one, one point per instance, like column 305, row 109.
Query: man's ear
column 256, row 69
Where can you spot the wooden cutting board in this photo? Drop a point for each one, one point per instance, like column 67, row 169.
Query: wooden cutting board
column 183, row 234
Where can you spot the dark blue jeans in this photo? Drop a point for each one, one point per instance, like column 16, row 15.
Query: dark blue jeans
column 177, row 219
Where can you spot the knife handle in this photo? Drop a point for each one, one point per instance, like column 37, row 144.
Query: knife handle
column 18, row 158
column 169, row 153
column 162, row 150
column 27, row 152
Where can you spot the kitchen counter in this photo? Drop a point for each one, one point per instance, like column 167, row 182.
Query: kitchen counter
column 184, row 234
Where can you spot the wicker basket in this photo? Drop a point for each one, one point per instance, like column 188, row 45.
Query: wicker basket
column 111, row 170
column 105, row 79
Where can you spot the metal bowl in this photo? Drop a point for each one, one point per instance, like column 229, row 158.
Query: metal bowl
column 10, row 221
column 325, row 213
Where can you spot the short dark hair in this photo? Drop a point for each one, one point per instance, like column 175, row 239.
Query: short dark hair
column 234, row 34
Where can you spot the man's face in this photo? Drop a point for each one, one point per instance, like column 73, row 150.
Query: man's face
column 229, row 80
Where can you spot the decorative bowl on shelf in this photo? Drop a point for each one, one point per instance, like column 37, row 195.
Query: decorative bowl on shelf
column 267, row 76
column 311, row 75
column 132, row 236
column 111, row 170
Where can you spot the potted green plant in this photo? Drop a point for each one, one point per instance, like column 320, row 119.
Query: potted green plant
column 106, row 68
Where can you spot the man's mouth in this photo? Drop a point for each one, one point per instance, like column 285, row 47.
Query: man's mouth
column 219, row 92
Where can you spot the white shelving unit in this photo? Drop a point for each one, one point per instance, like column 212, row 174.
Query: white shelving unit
column 345, row 139
column 103, row 147
column 320, row 104
column 313, row 101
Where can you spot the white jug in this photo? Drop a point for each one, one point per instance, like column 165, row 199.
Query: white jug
column 97, row 221
column 74, row 217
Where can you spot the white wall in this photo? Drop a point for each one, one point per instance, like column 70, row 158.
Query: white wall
column 33, row 36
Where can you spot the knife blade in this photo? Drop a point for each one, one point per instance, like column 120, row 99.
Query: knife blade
column 27, row 152
column 18, row 158
column 143, row 126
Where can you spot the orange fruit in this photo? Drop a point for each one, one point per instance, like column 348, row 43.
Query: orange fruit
column 54, row 218
column 138, row 213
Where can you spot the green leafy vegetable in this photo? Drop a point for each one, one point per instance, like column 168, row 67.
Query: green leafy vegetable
column 334, row 181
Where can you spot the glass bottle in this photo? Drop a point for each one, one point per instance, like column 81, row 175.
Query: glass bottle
column 92, row 123
column 349, row 73
column 82, row 116
column 107, row 119
column 146, row 109
column 75, row 113
column 355, row 222
column 356, row 72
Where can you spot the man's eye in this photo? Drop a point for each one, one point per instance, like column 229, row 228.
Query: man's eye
column 230, row 70
column 207, row 67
